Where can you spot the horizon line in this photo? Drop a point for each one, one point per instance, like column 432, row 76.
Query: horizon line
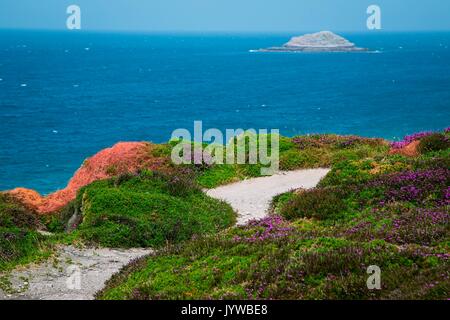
column 212, row 32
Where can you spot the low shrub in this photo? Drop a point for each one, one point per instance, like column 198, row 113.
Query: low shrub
column 420, row 187
column 181, row 184
column 440, row 159
column 320, row 204
column 271, row 227
column 410, row 138
column 334, row 141
column 305, row 158
column 279, row 201
column 19, row 240
column 217, row 175
column 347, row 173
column 148, row 211
column 402, row 225
column 14, row 215
column 434, row 142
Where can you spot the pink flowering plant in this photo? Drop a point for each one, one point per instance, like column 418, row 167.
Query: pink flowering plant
column 419, row 187
column 269, row 228
column 410, row 138
column 402, row 225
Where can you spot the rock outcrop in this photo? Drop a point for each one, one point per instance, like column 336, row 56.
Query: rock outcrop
column 324, row 41
column 121, row 158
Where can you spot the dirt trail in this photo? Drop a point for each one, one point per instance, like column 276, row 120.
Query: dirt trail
column 73, row 274
column 251, row 198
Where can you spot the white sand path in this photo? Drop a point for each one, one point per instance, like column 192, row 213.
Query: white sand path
column 251, row 198
column 72, row 274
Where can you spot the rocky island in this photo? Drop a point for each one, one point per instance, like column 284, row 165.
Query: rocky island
column 324, row 41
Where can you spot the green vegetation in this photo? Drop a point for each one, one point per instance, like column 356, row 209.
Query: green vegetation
column 317, row 203
column 314, row 151
column 307, row 262
column 434, row 142
column 148, row 210
column 20, row 242
column 373, row 208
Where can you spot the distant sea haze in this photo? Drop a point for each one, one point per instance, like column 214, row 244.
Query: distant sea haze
column 66, row 95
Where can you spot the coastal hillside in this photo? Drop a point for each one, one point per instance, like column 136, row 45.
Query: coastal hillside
column 382, row 203
column 381, row 209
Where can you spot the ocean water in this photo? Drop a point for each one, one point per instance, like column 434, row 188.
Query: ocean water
column 66, row 95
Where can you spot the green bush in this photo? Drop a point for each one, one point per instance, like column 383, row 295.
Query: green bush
column 346, row 173
column 279, row 201
column 181, row 184
column 316, row 203
column 306, row 158
column 434, row 142
column 19, row 240
column 148, row 211
column 439, row 159
column 217, row 175
column 13, row 215
column 18, row 246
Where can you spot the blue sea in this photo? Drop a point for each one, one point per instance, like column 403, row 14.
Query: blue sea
column 66, row 95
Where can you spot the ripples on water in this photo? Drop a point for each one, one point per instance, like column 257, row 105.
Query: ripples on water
column 66, row 95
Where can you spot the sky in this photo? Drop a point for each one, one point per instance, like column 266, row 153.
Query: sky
column 226, row 15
